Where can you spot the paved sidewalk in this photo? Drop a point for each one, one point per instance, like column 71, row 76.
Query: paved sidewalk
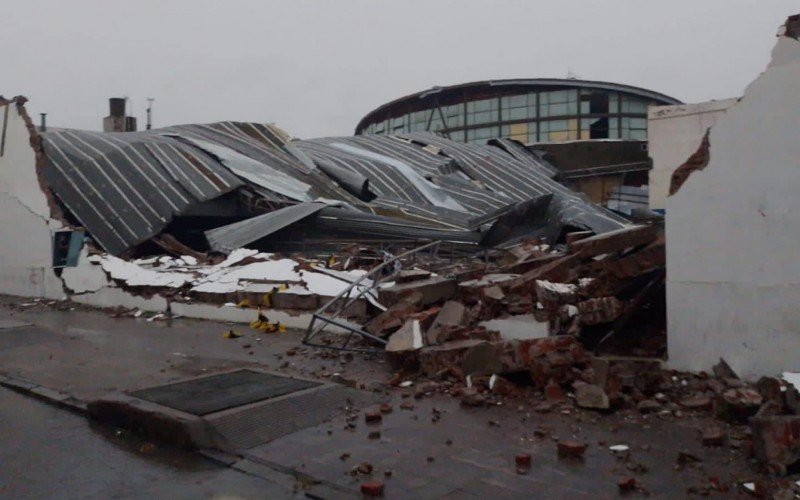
column 48, row 453
column 438, row 449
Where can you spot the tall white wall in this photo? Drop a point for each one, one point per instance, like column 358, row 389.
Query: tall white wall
column 674, row 133
column 25, row 223
column 733, row 235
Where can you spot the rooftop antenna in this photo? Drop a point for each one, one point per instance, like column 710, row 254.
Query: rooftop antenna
column 150, row 113
column 571, row 75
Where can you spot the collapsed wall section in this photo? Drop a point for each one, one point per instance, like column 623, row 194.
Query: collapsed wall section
column 732, row 234
column 26, row 225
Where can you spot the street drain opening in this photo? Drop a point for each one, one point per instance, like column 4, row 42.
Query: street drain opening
column 215, row 393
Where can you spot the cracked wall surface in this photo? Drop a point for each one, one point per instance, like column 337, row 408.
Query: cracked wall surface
column 25, row 216
column 28, row 217
column 675, row 132
column 733, row 234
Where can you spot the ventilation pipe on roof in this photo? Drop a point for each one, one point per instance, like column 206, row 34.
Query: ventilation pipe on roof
column 116, row 121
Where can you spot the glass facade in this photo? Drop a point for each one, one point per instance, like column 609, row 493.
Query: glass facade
column 532, row 116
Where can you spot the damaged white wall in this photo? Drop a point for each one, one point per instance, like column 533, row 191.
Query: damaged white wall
column 674, row 133
column 26, row 255
column 733, row 235
column 26, row 247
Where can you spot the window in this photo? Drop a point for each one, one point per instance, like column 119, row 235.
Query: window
column 613, row 103
column 594, row 128
column 518, row 107
column 558, row 130
column 418, row 121
column 457, row 135
column 533, row 135
column 613, row 128
column 436, row 121
column 454, row 115
column 398, row 125
column 481, row 135
column 558, row 103
column 633, row 105
column 484, row 111
column 516, row 131
column 633, row 128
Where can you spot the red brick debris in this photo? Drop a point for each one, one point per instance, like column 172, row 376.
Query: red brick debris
column 579, row 325
column 372, row 489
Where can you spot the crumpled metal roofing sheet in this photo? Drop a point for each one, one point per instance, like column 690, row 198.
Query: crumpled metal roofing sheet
column 237, row 235
column 330, row 223
column 126, row 187
column 481, row 179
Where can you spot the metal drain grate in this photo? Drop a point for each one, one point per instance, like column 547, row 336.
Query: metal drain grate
column 216, row 393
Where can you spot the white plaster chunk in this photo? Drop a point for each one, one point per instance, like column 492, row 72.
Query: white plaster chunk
column 134, row 275
column 519, row 327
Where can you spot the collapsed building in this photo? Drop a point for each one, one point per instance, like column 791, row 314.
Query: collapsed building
column 155, row 219
column 188, row 219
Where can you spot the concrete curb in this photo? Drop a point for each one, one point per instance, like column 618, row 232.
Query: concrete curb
column 174, row 427
column 161, row 423
column 50, row 396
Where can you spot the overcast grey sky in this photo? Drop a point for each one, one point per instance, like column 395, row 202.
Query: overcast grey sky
column 315, row 67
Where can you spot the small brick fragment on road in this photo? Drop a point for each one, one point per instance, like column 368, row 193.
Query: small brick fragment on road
column 372, row 489
column 571, row 449
column 373, row 416
column 523, row 463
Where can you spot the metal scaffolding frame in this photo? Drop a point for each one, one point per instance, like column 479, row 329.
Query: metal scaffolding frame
column 329, row 313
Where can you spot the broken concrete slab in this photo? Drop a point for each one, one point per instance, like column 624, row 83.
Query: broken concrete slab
column 432, row 290
column 452, row 314
column 435, row 358
column 407, row 338
column 517, row 327
column 614, row 241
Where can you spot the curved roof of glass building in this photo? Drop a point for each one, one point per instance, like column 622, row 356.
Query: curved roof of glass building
column 548, row 106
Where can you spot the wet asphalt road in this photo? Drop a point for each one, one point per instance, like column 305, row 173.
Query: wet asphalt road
column 46, row 452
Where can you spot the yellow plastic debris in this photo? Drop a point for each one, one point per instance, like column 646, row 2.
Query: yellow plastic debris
column 262, row 323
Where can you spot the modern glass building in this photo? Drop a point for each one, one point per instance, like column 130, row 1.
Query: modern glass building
column 533, row 110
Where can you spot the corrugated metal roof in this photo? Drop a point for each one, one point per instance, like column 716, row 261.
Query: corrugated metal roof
column 125, row 188
column 481, row 179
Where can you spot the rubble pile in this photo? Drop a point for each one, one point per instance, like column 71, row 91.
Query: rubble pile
column 536, row 312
